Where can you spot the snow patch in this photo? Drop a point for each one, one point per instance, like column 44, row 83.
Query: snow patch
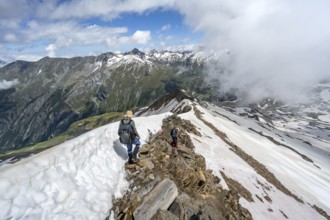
column 74, row 180
column 97, row 65
column 324, row 118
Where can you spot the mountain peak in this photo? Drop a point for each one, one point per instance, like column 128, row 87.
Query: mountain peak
column 135, row 51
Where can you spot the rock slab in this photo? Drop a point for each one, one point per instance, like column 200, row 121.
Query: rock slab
column 159, row 198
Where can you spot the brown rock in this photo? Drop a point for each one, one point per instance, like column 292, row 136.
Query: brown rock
column 146, row 163
column 201, row 175
column 144, row 150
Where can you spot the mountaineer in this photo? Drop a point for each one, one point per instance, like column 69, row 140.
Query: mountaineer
column 128, row 135
column 174, row 135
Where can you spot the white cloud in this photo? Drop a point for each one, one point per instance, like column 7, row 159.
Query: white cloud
column 166, row 27
column 169, row 37
column 14, row 8
column 51, row 48
column 57, row 23
column 9, row 24
column 182, row 47
column 10, row 37
column 141, row 37
column 276, row 47
column 65, row 34
column 4, row 84
column 107, row 9
column 28, row 57
column 273, row 47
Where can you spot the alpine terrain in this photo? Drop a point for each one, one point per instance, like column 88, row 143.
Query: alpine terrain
column 45, row 97
column 267, row 161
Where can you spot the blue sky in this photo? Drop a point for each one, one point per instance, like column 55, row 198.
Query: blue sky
column 32, row 29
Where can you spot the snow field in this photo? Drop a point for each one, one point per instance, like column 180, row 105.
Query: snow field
column 77, row 179
column 74, row 180
column 276, row 158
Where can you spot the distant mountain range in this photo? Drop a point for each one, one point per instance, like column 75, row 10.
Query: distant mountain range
column 42, row 99
column 50, row 94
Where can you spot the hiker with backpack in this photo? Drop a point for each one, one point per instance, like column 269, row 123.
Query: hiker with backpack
column 128, row 135
column 174, row 135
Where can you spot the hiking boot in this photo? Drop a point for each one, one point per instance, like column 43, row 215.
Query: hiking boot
column 135, row 152
column 130, row 158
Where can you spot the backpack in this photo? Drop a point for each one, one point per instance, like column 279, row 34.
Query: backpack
column 126, row 133
column 174, row 133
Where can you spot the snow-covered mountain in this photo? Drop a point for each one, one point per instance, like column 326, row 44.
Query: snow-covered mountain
column 154, row 57
column 47, row 96
column 285, row 173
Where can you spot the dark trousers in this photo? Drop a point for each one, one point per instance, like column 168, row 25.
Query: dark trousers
column 175, row 141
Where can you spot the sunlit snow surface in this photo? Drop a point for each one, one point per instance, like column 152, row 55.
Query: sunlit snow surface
column 301, row 177
column 75, row 180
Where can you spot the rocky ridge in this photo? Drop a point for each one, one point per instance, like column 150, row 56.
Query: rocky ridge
column 194, row 189
column 196, row 194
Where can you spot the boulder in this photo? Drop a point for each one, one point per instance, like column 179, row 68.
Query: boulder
column 161, row 197
column 146, row 163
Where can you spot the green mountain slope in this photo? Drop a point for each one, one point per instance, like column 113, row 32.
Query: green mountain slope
column 55, row 92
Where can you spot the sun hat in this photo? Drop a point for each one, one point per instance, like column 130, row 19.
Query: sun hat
column 129, row 114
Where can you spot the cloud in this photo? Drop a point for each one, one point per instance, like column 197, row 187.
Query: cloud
column 9, row 24
column 14, row 9
column 107, row 9
column 28, row 57
column 60, row 24
column 182, row 47
column 10, row 37
column 267, row 48
column 51, row 48
column 141, row 37
column 166, row 27
column 4, row 84
column 68, row 33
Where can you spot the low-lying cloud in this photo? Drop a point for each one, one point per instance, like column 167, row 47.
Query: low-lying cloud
column 4, row 84
column 273, row 48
